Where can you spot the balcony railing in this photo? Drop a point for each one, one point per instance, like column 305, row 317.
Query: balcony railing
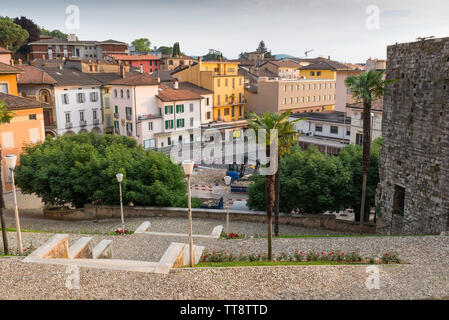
column 117, row 130
column 128, row 117
column 83, row 123
column 96, row 121
column 149, row 116
column 129, row 133
column 68, row 125
column 116, row 116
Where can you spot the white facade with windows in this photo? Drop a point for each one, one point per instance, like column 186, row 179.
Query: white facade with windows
column 78, row 109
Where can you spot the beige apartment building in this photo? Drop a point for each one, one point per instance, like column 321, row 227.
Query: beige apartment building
column 280, row 95
column 284, row 69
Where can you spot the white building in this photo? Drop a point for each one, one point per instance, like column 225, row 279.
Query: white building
column 77, row 101
column 328, row 131
column 157, row 115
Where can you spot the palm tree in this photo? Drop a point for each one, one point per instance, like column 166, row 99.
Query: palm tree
column 367, row 87
column 5, row 117
column 286, row 138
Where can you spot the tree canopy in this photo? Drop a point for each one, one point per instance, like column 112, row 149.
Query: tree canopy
column 262, row 48
column 243, row 55
column 213, row 55
column 53, row 33
column 81, row 169
column 12, row 35
column 313, row 182
column 176, row 52
column 33, row 31
column 142, row 44
column 165, row 50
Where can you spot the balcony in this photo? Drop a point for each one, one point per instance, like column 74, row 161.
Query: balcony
column 149, row 116
column 83, row 123
column 128, row 117
column 68, row 125
column 129, row 133
column 96, row 121
column 117, row 130
column 116, row 116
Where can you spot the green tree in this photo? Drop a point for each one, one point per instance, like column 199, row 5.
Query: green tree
column 142, row 44
column 81, row 169
column 53, row 33
column 176, row 50
column 311, row 182
column 5, row 117
column 351, row 157
column 286, row 136
column 12, row 36
column 262, row 48
column 213, row 55
column 32, row 29
column 366, row 87
column 243, row 55
column 165, row 50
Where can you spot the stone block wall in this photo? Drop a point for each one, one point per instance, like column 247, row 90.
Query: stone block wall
column 413, row 193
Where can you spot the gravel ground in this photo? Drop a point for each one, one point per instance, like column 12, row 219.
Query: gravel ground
column 426, row 275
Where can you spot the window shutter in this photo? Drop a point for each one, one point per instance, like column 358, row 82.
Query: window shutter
column 171, row 109
column 165, row 109
column 182, row 108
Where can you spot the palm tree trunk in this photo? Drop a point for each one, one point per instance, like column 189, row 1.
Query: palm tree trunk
column 270, row 194
column 366, row 157
column 277, row 195
column 2, row 205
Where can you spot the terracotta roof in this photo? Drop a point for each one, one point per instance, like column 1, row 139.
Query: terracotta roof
column 33, row 75
column 52, row 40
column 163, row 75
column 6, row 68
column 376, row 105
column 192, row 87
column 69, row 76
column 141, row 79
column 4, row 51
column 135, row 57
column 16, row 103
column 354, row 66
column 285, row 64
column 168, row 93
column 326, row 65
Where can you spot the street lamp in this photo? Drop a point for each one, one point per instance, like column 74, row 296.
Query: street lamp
column 11, row 160
column 119, row 177
column 187, row 165
column 227, row 180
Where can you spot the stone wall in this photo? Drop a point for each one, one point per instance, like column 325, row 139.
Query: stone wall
column 324, row 222
column 415, row 128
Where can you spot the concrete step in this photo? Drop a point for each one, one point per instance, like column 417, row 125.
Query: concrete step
column 81, row 249
column 103, row 250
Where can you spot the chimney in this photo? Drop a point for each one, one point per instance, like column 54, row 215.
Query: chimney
column 122, row 71
column 176, row 85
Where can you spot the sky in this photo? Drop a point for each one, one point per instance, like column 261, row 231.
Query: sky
column 345, row 30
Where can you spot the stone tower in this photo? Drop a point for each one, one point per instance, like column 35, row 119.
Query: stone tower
column 413, row 193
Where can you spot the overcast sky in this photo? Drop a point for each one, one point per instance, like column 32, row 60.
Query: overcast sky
column 336, row 28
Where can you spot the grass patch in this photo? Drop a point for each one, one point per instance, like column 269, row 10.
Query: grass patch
column 270, row 263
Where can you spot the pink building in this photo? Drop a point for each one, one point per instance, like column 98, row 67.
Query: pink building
column 148, row 63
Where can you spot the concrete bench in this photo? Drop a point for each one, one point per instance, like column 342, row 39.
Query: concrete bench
column 144, row 227
column 81, row 249
column 216, row 232
column 56, row 247
column 103, row 250
column 172, row 258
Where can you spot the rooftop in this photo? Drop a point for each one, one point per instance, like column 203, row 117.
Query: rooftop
column 326, row 65
column 284, row 64
column 4, row 51
column 141, row 79
column 33, row 75
column 51, row 40
column 69, row 76
column 17, row 103
column 8, row 69
column 167, row 92
column 330, row 116
column 134, row 57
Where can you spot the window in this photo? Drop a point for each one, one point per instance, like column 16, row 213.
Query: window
column 312, row 73
column 179, row 123
column 169, row 141
column 32, row 116
column 399, row 200
column 129, row 127
column 291, row 100
column 121, row 93
column 318, row 73
column 207, row 101
column 150, row 126
column 94, row 114
column 94, row 96
column 218, row 82
column 334, row 129
column 218, row 100
column 168, row 124
column 297, row 99
column 348, row 132
column 116, row 124
column 65, row 98
column 191, row 107
column 285, row 88
column 179, row 108
column 240, row 81
column 240, row 111
column 359, row 139
column 34, row 135
column 7, row 140
column 318, row 128
column 233, row 83
column 297, row 87
column 291, row 87
column 226, row 111
column 191, row 122
column 240, row 98
column 168, row 109
column 284, row 101
column 67, row 117
column 226, row 82
column 81, row 115
column 127, row 94
column 80, row 98
column 115, row 93
column 208, row 115
column 170, row 62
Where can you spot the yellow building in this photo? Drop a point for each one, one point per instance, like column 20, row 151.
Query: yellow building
column 8, row 78
column 223, row 79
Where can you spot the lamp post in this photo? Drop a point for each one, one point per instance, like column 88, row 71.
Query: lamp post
column 119, row 177
column 188, row 169
column 227, row 180
column 11, row 160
